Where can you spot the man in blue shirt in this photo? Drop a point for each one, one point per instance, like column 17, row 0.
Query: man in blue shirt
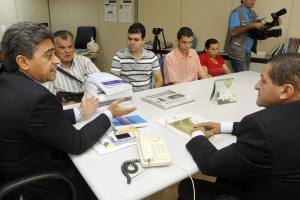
column 238, row 44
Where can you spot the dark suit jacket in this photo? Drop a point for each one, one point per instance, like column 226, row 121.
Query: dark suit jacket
column 35, row 131
column 264, row 163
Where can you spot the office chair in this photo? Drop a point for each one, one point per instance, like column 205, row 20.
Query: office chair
column 83, row 36
column 20, row 182
column 161, row 61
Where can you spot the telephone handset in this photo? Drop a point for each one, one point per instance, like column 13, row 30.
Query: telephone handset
column 152, row 151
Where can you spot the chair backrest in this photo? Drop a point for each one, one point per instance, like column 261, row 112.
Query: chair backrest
column 14, row 185
column 161, row 61
column 83, row 36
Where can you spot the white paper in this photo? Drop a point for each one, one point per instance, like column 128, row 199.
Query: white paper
column 110, row 10
column 125, row 7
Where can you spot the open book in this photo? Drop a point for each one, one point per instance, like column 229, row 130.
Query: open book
column 183, row 124
column 223, row 91
column 167, row 99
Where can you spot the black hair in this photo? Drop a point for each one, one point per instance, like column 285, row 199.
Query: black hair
column 210, row 41
column 185, row 31
column 137, row 28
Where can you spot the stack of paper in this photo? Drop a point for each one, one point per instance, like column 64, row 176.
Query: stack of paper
column 108, row 83
column 108, row 87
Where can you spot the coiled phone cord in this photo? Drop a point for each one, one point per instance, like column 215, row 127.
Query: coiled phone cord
column 130, row 167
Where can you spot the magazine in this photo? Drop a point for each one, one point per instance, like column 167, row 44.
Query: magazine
column 167, row 99
column 130, row 120
column 116, row 140
column 223, row 91
column 183, row 125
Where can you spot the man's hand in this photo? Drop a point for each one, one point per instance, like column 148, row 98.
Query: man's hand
column 258, row 25
column 212, row 127
column 117, row 110
column 88, row 106
column 279, row 21
column 207, row 133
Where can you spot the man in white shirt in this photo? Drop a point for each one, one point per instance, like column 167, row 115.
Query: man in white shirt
column 135, row 64
column 76, row 65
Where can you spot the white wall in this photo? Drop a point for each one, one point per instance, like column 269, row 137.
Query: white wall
column 207, row 19
column 210, row 18
column 111, row 36
column 12, row 11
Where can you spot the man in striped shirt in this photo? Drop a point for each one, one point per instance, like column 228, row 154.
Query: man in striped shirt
column 136, row 64
column 76, row 65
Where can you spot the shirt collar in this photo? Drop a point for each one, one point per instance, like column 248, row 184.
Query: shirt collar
column 29, row 77
column 179, row 54
column 245, row 8
column 142, row 55
column 61, row 65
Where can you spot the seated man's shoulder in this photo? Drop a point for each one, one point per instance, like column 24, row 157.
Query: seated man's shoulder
column 81, row 58
column 150, row 53
column 171, row 53
column 193, row 52
column 122, row 52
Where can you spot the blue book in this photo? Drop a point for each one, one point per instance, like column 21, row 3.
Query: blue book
column 130, row 120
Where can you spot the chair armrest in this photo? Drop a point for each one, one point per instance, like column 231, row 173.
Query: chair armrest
column 20, row 182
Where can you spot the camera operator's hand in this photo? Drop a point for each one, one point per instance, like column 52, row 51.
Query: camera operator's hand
column 258, row 25
column 279, row 21
column 117, row 110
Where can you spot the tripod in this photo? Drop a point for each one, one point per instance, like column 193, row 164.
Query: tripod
column 156, row 43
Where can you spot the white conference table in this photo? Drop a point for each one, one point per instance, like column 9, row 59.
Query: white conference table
column 103, row 173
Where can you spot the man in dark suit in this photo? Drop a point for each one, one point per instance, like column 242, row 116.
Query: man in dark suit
column 264, row 162
column 35, row 132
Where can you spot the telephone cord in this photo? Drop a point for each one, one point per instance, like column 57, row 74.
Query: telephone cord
column 191, row 178
column 125, row 168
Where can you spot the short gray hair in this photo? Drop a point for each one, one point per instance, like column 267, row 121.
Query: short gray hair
column 22, row 39
column 286, row 70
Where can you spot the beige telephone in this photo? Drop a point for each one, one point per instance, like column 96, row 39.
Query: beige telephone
column 152, row 151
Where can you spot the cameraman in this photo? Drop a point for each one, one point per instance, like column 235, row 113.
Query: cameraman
column 238, row 44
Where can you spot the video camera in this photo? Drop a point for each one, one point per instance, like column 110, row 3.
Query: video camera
column 266, row 32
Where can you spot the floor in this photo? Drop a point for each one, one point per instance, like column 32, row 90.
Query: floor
column 170, row 193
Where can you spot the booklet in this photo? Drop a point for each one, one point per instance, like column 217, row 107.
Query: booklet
column 167, row 99
column 130, row 120
column 223, row 91
column 116, row 140
column 183, row 125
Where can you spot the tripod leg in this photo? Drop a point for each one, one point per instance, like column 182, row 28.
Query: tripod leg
column 158, row 42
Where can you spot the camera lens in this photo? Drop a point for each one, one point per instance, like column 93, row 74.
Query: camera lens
column 273, row 33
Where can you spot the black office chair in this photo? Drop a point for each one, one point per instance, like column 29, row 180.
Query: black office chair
column 161, row 61
column 11, row 186
column 83, row 36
